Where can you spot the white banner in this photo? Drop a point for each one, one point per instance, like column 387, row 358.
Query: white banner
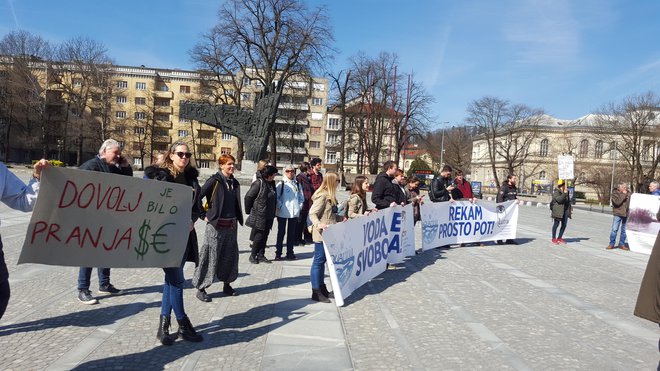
column 94, row 219
column 642, row 225
column 446, row 223
column 565, row 166
column 359, row 249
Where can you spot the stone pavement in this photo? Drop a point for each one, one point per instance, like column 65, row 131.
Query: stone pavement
column 531, row 306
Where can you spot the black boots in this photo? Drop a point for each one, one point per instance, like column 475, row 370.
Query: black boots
column 187, row 331
column 325, row 292
column 163, row 333
column 317, row 295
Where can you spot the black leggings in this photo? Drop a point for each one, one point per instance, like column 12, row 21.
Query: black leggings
column 4, row 297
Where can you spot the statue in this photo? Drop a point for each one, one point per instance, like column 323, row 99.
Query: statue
column 251, row 125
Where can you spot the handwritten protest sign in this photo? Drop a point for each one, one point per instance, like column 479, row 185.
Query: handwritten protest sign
column 642, row 226
column 94, row 219
column 445, row 223
column 565, row 166
column 359, row 249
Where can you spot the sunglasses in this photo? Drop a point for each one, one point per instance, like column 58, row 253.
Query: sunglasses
column 184, row 154
column 288, row 171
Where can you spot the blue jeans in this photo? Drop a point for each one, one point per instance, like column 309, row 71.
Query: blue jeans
column 317, row 272
column 85, row 275
column 619, row 221
column 173, row 293
column 288, row 226
column 563, row 221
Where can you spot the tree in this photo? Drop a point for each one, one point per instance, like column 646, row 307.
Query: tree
column 632, row 125
column 343, row 91
column 267, row 40
column 417, row 164
column 508, row 130
column 457, row 144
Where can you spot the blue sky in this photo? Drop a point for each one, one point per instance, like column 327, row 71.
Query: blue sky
column 566, row 57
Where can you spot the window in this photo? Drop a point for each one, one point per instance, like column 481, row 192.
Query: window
column 542, row 174
column 245, row 97
column 205, row 149
column 140, row 101
column 333, row 138
column 229, row 93
column 183, row 121
column 314, row 130
column 122, row 84
column 120, row 114
column 317, row 101
column 183, row 133
column 246, row 81
column 613, row 151
column 317, row 116
column 121, row 143
column 333, row 124
column 599, row 149
column 318, row 87
column 121, row 99
column 584, row 148
column 141, row 85
column 162, row 102
column 331, row 157
column 137, row 146
column 120, row 130
column 77, row 82
column 204, row 164
column 162, row 116
column 544, row 148
column 160, row 132
column 137, row 161
column 140, row 115
column 184, row 89
column 138, row 130
column 225, row 150
column 226, row 136
column 205, row 134
column 162, row 87
column 314, row 144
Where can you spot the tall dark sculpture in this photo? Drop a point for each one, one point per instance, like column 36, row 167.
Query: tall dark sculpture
column 251, row 125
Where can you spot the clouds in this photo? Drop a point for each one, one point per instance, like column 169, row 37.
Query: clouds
column 10, row 4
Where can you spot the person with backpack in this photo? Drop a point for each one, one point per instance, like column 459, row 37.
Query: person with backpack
column 560, row 207
column 290, row 200
column 218, row 256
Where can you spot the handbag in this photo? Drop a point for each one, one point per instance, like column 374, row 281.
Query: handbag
column 209, row 202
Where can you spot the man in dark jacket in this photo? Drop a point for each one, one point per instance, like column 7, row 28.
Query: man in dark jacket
column 109, row 160
column 561, row 211
column 384, row 194
column 302, row 234
column 508, row 192
column 620, row 202
column 442, row 189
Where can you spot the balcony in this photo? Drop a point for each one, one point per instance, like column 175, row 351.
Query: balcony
column 163, row 124
column 206, row 141
column 296, row 136
column 284, row 150
column 164, row 109
column 294, row 106
column 161, row 139
column 163, row 94
column 332, row 128
column 333, row 144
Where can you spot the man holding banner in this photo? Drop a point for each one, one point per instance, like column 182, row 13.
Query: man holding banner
column 109, row 160
column 508, row 192
column 18, row 196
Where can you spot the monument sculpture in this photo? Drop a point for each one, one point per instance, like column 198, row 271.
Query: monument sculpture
column 251, row 125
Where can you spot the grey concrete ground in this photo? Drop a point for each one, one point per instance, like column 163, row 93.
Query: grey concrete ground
column 532, row 306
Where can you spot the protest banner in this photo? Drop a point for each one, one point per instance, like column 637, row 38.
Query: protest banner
column 445, row 223
column 359, row 249
column 642, row 225
column 95, row 219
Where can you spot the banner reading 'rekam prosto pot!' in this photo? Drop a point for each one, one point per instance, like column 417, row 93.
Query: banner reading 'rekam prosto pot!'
column 94, row 219
column 446, row 223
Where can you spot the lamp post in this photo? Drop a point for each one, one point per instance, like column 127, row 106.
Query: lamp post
column 442, row 145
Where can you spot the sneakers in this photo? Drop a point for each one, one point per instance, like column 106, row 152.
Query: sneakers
column 555, row 241
column 561, row 241
column 202, row 296
column 85, row 297
column 109, row 289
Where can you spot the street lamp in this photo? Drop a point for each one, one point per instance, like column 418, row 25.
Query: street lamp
column 442, row 145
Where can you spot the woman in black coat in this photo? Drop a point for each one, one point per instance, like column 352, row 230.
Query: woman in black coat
column 260, row 203
column 176, row 168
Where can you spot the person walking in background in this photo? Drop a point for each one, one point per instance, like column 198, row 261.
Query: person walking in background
column 109, row 160
column 357, row 201
column 412, row 193
column 219, row 253
column 260, row 203
column 315, row 175
column 653, row 188
column 323, row 213
column 385, row 193
column 177, row 168
column 302, row 234
column 18, row 196
column 290, row 200
column 620, row 203
column 561, row 211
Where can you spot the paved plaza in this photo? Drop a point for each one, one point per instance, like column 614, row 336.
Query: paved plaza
column 531, row 306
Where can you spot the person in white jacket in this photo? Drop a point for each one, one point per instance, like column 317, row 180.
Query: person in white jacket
column 289, row 203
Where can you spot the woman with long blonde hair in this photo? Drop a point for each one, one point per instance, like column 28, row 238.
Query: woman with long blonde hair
column 322, row 213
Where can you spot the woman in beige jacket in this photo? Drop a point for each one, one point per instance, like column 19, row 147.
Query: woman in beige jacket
column 322, row 213
column 357, row 202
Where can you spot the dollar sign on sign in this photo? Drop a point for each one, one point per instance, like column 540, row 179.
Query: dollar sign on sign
column 143, row 246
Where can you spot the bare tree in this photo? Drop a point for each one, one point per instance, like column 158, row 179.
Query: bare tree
column 507, row 129
column 343, row 90
column 632, row 125
column 267, row 40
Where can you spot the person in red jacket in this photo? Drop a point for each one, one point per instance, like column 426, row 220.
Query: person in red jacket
column 463, row 185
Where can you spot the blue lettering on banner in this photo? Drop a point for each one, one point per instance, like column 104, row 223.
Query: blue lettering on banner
column 378, row 242
column 470, row 212
column 456, row 229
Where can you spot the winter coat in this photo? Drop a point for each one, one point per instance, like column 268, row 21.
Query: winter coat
column 465, row 188
column 290, row 198
column 98, row 164
column 260, row 203
column 213, row 213
column 322, row 211
column 190, row 175
column 439, row 189
column 620, row 203
column 412, row 195
column 356, row 206
column 384, row 192
column 560, row 200
column 648, row 299
column 507, row 193
column 400, row 192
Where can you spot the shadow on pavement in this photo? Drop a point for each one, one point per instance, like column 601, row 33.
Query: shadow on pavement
column 244, row 290
column 226, row 331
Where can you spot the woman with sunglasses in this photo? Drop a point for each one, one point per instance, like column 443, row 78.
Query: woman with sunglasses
column 260, row 203
column 289, row 203
column 322, row 213
column 177, row 168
